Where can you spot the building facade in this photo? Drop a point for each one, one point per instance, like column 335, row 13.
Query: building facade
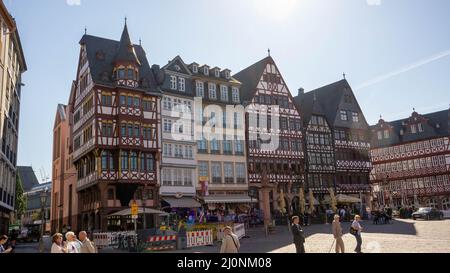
column 179, row 148
column 411, row 160
column 337, row 142
column 273, row 133
column 116, row 126
column 219, row 131
column 64, row 213
column 12, row 65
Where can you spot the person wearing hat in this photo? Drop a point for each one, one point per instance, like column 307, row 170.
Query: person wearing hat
column 230, row 241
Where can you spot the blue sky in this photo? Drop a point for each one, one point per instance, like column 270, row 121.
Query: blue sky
column 397, row 50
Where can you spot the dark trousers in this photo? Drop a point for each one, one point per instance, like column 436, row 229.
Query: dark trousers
column 358, row 243
column 300, row 247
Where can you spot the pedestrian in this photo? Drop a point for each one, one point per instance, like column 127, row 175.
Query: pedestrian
column 356, row 229
column 230, row 242
column 3, row 240
column 58, row 246
column 299, row 237
column 72, row 244
column 337, row 233
column 86, row 245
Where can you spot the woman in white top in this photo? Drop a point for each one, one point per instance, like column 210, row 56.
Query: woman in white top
column 57, row 246
column 72, row 244
column 358, row 228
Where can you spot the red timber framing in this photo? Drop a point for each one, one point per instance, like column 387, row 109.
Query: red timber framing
column 116, row 131
column 413, row 172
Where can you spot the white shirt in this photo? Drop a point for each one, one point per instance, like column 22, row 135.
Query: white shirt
column 56, row 249
column 357, row 226
column 72, row 247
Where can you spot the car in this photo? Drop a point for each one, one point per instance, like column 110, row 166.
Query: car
column 428, row 214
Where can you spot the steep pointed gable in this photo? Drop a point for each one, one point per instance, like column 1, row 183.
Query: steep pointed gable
column 250, row 77
column 332, row 100
column 177, row 65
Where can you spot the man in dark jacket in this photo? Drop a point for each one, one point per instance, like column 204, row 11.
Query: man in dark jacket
column 299, row 237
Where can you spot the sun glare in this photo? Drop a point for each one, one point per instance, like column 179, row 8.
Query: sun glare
column 276, row 9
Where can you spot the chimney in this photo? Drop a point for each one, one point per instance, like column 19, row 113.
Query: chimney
column 301, row 91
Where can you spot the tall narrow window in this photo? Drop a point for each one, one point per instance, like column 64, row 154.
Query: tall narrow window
column 181, row 84
column 212, row 91
column 224, row 93
column 355, row 117
column 235, row 94
column 200, row 89
column 386, row 133
column 133, row 164
column 413, row 129
column 124, row 160
column 173, row 82
column 420, row 127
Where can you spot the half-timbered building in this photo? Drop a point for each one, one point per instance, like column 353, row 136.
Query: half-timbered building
column 320, row 164
column 115, row 129
column 273, row 133
column 341, row 115
column 411, row 160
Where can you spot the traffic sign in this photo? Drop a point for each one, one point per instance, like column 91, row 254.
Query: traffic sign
column 134, row 209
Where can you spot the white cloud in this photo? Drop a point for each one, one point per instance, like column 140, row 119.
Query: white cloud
column 73, row 2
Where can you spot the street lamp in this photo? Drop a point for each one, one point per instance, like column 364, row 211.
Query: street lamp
column 43, row 198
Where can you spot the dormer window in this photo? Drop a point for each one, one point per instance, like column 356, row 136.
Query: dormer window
column 227, row 75
column 413, row 129
column 217, row 73
column 121, row 74
column 206, row 71
column 130, row 74
column 420, row 127
column 386, row 134
column 195, row 68
column 402, row 132
column 380, row 135
column 173, row 82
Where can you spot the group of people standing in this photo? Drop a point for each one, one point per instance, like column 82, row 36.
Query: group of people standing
column 72, row 243
column 338, row 233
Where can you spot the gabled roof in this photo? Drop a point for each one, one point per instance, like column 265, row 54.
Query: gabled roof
column 329, row 97
column 250, row 77
column 27, row 177
column 437, row 125
column 174, row 61
column 309, row 106
column 101, row 54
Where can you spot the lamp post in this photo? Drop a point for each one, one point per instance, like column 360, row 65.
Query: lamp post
column 144, row 201
column 43, row 198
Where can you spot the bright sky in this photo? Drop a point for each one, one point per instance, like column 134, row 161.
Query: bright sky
column 395, row 53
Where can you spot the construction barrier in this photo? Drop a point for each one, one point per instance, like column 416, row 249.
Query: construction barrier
column 113, row 239
column 446, row 213
column 159, row 243
column 238, row 229
column 199, row 238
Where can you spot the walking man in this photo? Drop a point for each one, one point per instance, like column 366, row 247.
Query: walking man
column 337, row 233
column 299, row 237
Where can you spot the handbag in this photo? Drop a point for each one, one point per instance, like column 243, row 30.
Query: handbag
column 232, row 238
column 353, row 231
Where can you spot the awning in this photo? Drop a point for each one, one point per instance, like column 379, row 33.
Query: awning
column 183, row 202
column 342, row 198
column 229, row 199
column 127, row 212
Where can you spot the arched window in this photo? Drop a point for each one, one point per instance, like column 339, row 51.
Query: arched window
column 133, row 161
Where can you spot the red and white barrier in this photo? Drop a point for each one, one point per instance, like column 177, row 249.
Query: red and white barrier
column 199, row 238
column 162, row 238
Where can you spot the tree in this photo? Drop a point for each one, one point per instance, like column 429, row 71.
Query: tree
column 21, row 200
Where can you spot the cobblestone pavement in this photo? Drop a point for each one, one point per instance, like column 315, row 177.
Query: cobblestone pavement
column 402, row 236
